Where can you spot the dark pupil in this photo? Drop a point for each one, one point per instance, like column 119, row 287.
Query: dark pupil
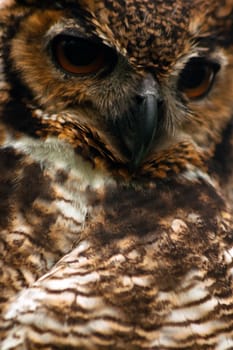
column 193, row 75
column 79, row 52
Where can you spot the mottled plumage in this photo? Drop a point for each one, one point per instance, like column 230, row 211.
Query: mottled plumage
column 116, row 226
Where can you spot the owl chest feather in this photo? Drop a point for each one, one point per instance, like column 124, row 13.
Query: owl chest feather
column 44, row 207
column 139, row 259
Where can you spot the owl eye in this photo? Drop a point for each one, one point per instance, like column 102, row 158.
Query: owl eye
column 197, row 78
column 79, row 56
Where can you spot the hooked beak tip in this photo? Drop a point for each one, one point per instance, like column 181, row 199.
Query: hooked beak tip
column 136, row 129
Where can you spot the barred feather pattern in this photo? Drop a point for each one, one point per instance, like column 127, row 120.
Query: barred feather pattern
column 138, row 273
column 93, row 256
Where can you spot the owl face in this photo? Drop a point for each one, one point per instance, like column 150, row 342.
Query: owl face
column 120, row 81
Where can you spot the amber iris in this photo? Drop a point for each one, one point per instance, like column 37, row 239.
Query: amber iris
column 79, row 56
column 197, row 78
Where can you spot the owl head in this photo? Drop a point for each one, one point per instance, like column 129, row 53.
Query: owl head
column 136, row 87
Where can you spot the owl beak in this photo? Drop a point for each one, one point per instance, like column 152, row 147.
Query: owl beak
column 136, row 129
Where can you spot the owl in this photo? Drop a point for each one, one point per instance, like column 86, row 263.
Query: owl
column 116, row 176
